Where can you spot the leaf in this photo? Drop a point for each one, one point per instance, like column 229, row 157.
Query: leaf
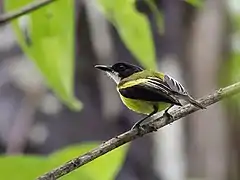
column 133, row 28
column 229, row 74
column 196, row 3
column 25, row 167
column 22, row 167
column 158, row 16
column 47, row 38
column 235, row 19
column 104, row 168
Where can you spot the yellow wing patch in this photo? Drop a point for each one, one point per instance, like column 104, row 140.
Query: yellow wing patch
column 132, row 83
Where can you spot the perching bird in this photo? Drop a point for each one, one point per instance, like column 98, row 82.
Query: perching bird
column 146, row 91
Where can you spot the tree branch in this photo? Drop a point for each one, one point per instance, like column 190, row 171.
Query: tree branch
column 156, row 123
column 24, row 10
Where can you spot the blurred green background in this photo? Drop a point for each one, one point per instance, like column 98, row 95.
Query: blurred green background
column 55, row 105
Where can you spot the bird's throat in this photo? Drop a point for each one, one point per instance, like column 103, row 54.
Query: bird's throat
column 114, row 76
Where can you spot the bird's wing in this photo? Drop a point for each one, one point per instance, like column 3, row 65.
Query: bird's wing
column 174, row 86
column 179, row 91
column 148, row 90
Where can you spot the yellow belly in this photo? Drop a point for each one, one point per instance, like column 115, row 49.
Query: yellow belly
column 144, row 107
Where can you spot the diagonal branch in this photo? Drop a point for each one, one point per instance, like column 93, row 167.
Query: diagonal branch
column 156, row 123
column 24, row 10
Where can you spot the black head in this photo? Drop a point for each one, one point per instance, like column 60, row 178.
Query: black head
column 119, row 71
column 124, row 69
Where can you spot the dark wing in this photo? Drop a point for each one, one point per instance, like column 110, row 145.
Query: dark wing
column 174, row 85
column 149, row 91
column 179, row 91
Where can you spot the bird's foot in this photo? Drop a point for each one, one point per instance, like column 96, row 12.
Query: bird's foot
column 169, row 118
column 152, row 127
column 141, row 128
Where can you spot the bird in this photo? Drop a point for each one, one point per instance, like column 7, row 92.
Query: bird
column 146, row 91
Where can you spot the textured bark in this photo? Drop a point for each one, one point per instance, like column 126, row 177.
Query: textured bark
column 26, row 9
column 156, row 123
column 208, row 141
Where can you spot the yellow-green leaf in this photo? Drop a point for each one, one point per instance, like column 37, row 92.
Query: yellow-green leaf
column 133, row 28
column 196, row 3
column 104, row 168
column 47, row 38
column 26, row 167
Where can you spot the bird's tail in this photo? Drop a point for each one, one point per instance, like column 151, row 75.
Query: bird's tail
column 194, row 102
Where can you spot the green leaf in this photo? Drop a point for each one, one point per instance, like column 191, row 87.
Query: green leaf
column 196, row 3
column 47, row 38
column 25, row 167
column 22, row 167
column 158, row 16
column 133, row 28
column 229, row 74
column 235, row 19
column 104, row 168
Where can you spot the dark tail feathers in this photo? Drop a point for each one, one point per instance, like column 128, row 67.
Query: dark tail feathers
column 194, row 102
column 189, row 99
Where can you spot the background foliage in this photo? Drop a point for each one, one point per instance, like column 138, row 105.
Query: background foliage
column 50, row 44
column 27, row 167
column 48, row 37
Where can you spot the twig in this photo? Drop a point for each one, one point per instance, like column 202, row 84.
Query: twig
column 128, row 136
column 24, row 10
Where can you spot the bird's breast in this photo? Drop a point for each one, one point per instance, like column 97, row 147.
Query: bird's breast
column 143, row 107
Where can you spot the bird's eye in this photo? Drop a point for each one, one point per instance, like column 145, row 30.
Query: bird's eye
column 121, row 68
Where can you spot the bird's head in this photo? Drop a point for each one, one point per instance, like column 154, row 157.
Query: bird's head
column 119, row 71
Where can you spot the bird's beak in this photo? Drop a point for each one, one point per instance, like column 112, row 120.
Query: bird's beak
column 104, row 68
column 110, row 72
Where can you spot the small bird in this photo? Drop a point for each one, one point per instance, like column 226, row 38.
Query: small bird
column 147, row 91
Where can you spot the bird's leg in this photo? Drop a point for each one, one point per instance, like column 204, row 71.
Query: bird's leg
column 169, row 116
column 138, row 123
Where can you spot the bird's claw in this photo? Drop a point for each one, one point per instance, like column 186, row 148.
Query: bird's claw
column 169, row 118
column 153, row 128
column 138, row 127
column 141, row 128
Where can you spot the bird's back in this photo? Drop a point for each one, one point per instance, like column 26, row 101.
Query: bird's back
column 140, row 77
column 140, row 99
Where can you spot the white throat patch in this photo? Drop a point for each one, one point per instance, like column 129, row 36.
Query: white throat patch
column 114, row 76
